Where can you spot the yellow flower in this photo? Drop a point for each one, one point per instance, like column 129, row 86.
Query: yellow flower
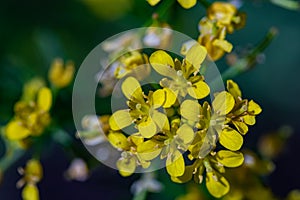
column 143, row 113
column 174, row 139
column 222, row 18
column 222, row 12
column 33, row 173
column 130, row 158
column 243, row 113
column 225, row 14
column 60, row 76
column 213, row 39
column 214, row 165
column 129, row 62
column 184, row 76
column 184, row 3
column 31, row 118
column 228, row 108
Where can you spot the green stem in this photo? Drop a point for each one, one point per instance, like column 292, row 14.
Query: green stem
column 246, row 63
column 10, row 158
column 140, row 196
column 161, row 11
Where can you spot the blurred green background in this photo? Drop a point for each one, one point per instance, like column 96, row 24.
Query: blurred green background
column 33, row 32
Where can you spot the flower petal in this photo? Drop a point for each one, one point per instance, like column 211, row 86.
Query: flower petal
column 249, row 119
column 254, row 108
column 161, row 120
column 233, row 89
column 185, row 133
column 217, row 186
column 15, row 131
column 230, row 158
column 163, row 64
column 153, row 2
column 175, row 164
column 170, row 96
column 223, row 103
column 196, row 55
column 187, row 175
column 118, row 140
column 231, row 139
column 148, row 128
column 131, row 88
column 30, row 192
column 44, row 99
column 223, row 44
column 126, row 166
column 148, row 150
column 190, row 110
column 158, row 98
column 120, row 119
column 187, row 3
column 241, row 127
column 199, row 90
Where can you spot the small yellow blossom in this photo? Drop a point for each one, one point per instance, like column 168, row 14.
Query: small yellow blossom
column 143, row 113
column 59, row 75
column 213, row 39
column 222, row 18
column 31, row 118
column 184, row 76
column 32, row 173
column 130, row 158
column 214, row 165
column 129, row 62
column 225, row 14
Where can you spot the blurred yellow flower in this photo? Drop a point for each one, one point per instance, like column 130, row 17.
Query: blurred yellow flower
column 225, row 14
column 31, row 118
column 213, row 39
column 32, row 173
column 222, row 18
column 59, row 75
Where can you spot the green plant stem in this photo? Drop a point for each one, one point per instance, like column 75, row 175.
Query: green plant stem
column 140, row 196
column 161, row 11
column 10, row 158
column 246, row 63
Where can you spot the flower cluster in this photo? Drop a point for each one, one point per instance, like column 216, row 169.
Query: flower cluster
column 171, row 119
column 222, row 18
column 31, row 115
